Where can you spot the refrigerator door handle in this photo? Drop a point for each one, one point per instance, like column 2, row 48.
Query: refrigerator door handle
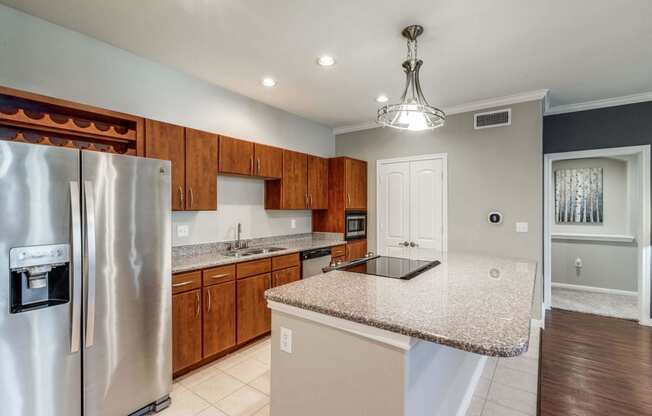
column 89, row 204
column 76, row 272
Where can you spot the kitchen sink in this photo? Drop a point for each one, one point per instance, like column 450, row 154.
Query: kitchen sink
column 244, row 252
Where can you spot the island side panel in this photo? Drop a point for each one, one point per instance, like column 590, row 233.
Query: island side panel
column 332, row 372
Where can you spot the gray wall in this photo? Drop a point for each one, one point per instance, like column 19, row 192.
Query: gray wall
column 490, row 169
column 48, row 59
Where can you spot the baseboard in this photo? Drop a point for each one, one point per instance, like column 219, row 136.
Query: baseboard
column 594, row 289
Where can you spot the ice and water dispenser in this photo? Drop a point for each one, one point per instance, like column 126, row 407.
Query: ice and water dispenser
column 40, row 277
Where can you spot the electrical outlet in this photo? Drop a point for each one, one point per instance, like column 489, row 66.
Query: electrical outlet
column 521, row 227
column 183, row 231
column 293, row 223
column 286, row 340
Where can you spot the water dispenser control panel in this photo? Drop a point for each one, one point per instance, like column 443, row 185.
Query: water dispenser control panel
column 40, row 277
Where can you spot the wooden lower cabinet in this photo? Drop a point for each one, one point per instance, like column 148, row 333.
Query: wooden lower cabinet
column 285, row 276
column 219, row 318
column 253, row 316
column 356, row 249
column 186, row 329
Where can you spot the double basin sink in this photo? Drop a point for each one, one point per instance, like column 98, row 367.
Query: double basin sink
column 244, row 252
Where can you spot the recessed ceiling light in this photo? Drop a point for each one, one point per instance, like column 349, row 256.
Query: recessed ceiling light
column 382, row 98
column 268, row 82
column 326, row 60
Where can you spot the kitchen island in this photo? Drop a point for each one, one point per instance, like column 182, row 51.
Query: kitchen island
column 382, row 346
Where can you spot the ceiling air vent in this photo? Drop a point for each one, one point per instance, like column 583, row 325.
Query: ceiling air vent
column 496, row 118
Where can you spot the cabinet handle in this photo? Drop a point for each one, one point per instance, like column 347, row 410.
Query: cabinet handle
column 217, row 276
column 208, row 292
column 259, row 166
column 192, row 197
column 198, row 310
column 348, row 198
column 182, row 284
column 181, row 196
column 307, row 201
column 310, row 200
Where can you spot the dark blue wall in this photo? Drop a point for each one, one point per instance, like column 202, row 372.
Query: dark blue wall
column 625, row 125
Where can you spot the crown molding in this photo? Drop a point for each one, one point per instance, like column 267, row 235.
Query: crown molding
column 607, row 102
column 463, row 108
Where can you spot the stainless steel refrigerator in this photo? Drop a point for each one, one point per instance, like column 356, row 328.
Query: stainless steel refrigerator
column 85, row 286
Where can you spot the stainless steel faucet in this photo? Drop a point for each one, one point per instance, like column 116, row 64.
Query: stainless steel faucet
column 238, row 242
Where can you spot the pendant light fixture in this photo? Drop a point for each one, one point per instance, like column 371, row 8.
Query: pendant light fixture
column 413, row 112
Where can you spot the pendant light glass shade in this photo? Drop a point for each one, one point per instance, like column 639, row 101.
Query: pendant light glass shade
column 413, row 112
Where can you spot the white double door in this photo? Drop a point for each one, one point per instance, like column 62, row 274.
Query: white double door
column 412, row 210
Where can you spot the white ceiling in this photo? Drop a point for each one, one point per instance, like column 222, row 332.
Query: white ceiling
column 581, row 50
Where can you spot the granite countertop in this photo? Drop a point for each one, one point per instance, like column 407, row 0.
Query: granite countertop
column 201, row 256
column 472, row 302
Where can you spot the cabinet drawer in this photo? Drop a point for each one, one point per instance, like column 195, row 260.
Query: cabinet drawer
column 183, row 282
column 338, row 251
column 220, row 274
column 252, row 268
column 283, row 262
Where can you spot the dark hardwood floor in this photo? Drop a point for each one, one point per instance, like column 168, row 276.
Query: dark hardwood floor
column 592, row 366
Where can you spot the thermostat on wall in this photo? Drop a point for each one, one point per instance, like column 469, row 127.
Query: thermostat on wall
column 495, row 217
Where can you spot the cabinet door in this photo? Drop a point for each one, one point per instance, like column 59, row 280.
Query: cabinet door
column 253, row 316
column 295, row 180
column 317, row 182
column 236, row 156
column 268, row 161
column 285, row 276
column 186, row 329
column 166, row 141
column 356, row 249
column 355, row 175
column 219, row 318
column 201, row 175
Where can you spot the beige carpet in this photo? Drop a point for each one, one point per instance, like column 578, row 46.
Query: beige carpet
column 617, row 306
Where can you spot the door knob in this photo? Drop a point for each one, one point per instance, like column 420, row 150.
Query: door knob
column 413, row 244
column 404, row 244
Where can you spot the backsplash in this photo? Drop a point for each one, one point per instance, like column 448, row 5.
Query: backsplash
column 239, row 200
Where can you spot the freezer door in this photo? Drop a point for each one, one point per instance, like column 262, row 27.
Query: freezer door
column 40, row 361
column 127, row 274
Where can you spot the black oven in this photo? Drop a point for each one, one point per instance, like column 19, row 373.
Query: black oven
column 355, row 225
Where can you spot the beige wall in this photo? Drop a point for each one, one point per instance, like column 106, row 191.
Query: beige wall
column 490, row 169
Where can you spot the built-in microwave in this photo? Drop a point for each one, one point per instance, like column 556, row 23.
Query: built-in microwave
column 355, row 225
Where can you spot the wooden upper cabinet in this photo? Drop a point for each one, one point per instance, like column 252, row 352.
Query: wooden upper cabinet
column 317, row 182
column 201, row 178
column 236, row 156
column 294, row 188
column 167, row 141
column 268, row 161
column 355, row 176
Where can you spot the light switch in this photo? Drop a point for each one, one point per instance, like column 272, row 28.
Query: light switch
column 293, row 223
column 286, row 340
column 521, row 227
column 183, row 231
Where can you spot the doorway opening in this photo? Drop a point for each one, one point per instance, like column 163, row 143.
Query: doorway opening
column 597, row 232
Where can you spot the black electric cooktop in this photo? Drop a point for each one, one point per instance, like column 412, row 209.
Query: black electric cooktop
column 392, row 267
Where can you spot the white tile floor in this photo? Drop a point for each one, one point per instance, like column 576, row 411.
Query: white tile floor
column 508, row 386
column 238, row 385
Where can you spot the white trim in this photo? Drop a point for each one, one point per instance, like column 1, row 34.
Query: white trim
column 537, row 323
column 444, row 158
column 643, row 233
column 594, row 289
column 462, row 108
column 394, row 339
column 607, row 102
column 614, row 238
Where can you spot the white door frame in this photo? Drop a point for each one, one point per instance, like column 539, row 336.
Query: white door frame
column 444, row 159
column 643, row 245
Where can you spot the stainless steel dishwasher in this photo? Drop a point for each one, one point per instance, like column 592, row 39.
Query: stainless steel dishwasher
column 312, row 261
